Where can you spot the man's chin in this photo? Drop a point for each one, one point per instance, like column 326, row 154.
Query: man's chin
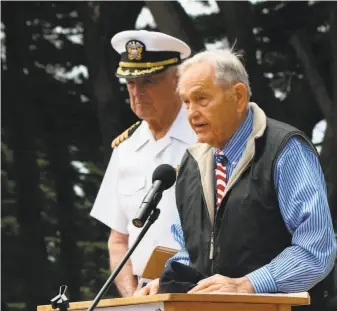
column 144, row 114
column 203, row 140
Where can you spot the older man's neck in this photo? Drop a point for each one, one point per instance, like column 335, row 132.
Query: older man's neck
column 159, row 127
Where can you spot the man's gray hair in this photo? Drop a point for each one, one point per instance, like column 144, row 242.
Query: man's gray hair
column 227, row 65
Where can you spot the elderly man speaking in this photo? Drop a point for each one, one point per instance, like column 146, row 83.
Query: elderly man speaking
column 251, row 195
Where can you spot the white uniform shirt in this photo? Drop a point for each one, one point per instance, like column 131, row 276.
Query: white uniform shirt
column 128, row 179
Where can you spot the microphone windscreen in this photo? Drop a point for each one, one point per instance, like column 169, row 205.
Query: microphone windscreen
column 166, row 174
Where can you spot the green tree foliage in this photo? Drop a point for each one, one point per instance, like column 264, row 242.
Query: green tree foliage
column 49, row 125
column 62, row 106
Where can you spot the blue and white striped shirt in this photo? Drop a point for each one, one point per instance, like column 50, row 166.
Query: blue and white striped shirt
column 302, row 197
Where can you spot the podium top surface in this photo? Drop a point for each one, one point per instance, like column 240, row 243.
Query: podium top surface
column 287, row 299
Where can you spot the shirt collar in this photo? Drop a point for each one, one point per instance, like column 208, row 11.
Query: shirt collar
column 234, row 148
column 180, row 129
column 142, row 136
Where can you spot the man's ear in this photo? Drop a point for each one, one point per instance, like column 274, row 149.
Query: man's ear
column 241, row 96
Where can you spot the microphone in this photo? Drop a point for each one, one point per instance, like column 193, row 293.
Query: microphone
column 163, row 177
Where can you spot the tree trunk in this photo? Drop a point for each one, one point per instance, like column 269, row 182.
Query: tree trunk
column 328, row 107
column 63, row 176
column 34, row 263
column 329, row 164
column 329, row 149
column 300, row 108
column 333, row 40
column 34, row 260
column 101, row 21
column 239, row 24
column 172, row 19
column 301, row 45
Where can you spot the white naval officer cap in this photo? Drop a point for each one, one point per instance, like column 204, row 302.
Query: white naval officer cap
column 147, row 52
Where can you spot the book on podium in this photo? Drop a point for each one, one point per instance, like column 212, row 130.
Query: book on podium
column 156, row 264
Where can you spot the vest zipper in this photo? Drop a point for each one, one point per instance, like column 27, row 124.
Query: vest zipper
column 211, row 250
column 211, row 253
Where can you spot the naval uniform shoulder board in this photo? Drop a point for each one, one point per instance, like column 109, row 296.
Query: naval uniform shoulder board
column 125, row 135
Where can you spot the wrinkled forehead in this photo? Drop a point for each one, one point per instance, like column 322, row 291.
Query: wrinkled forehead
column 195, row 81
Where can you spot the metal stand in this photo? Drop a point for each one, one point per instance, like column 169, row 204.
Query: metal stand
column 60, row 301
column 152, row 218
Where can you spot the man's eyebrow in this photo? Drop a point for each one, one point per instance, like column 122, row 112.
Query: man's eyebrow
column 197, row 90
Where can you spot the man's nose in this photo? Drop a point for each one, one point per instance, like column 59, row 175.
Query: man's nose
column 192, row 111
column 138, row 90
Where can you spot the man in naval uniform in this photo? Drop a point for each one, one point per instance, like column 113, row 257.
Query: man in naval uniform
column 148, row 63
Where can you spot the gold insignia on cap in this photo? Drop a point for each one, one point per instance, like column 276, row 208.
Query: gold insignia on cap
column 149, row 64
column 135, row 50
column 125, row 135
column 137, row 72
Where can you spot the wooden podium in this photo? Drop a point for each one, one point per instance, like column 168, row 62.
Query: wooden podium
column 196, row 302
column 190, row 302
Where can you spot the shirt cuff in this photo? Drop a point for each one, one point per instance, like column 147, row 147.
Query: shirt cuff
column 262, row 281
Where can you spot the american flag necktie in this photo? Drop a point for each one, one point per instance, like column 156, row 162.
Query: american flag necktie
column 220, row 176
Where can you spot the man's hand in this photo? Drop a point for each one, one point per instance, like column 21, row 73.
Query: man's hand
column 151, row 288
column 220, row 283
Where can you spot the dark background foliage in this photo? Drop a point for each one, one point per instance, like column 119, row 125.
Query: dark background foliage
column 62, row 106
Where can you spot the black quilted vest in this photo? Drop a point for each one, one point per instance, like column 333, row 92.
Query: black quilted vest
column 248, row 230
